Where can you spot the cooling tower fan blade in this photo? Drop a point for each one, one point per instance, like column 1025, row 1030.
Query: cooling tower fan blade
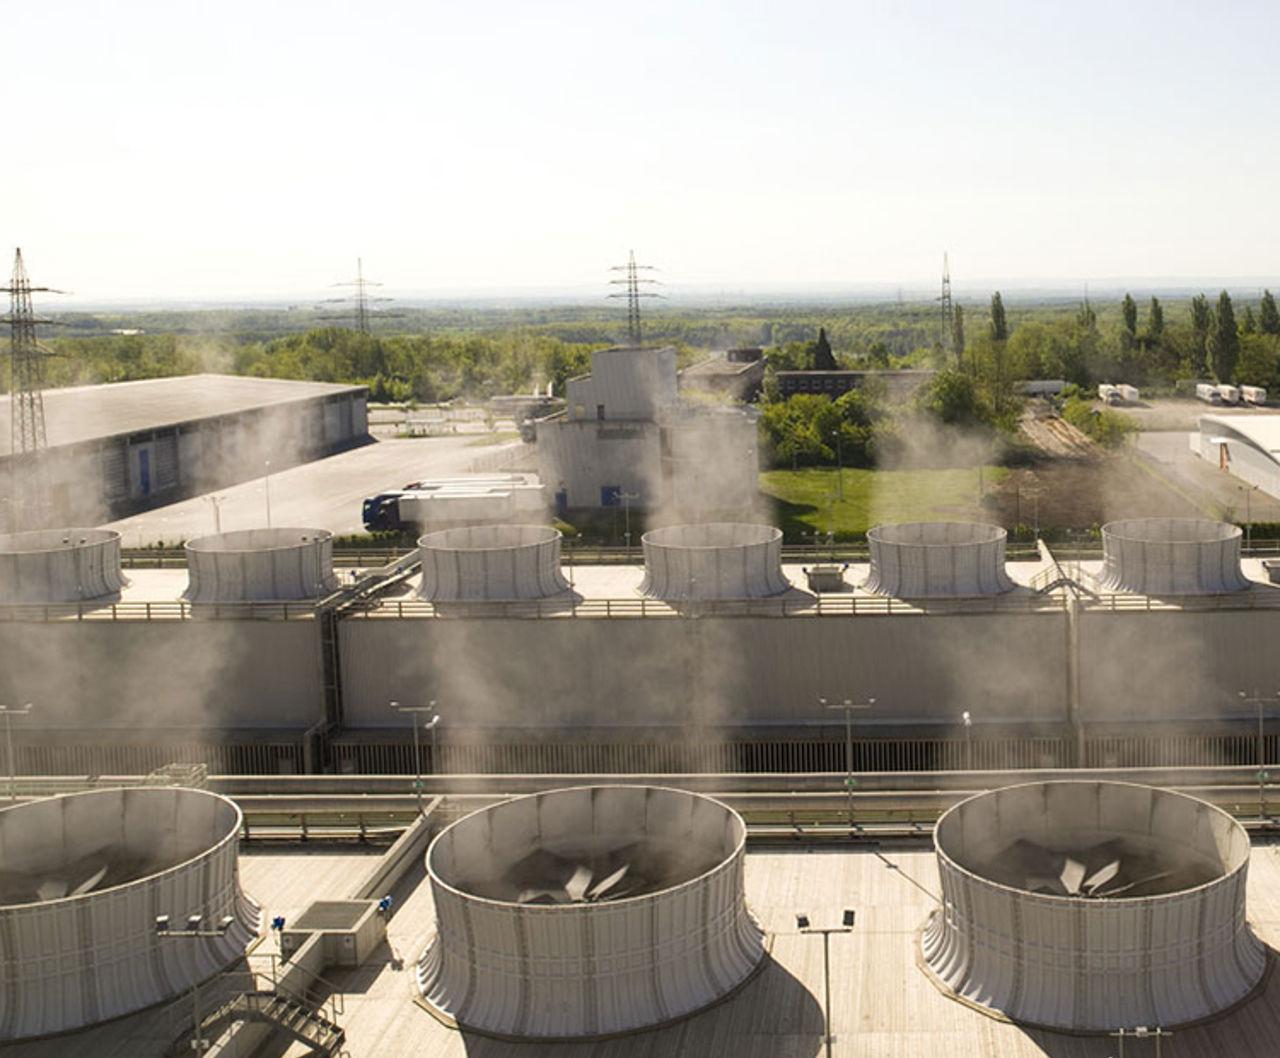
column 604, row 885
column 91, row 882
column 1134, row 885
column 1072, row 876
column 578, row 884
column 53, row 889
column 1101, row 877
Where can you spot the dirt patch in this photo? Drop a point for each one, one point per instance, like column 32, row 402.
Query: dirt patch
column 1082, row 493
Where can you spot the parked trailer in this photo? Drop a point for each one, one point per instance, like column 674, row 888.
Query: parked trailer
column 1229, row 394
column 1106, row 391
column 1129, row 394
column 1253, row 394
column 1208, row 393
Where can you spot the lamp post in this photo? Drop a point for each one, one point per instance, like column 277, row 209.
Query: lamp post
column 195, row 928
column 266, row 487
column 848, row 705
column 839, row 463
column 1260, row 701
column 967, row 720
column 846, row 926
column 10, row 711
column 626, row 498
column 216, row 503
column 415, row 711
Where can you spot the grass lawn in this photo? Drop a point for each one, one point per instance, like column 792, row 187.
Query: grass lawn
column 809, row 499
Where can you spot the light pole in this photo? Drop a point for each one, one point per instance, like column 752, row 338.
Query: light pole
column 10, row 711
column 195, row 928
column 216, row 503
column 415, row 711
column 266, row 487
column 839, row 463
column 848, row 706
column 626, row 498
column 967, row 720
column 1260, row 701
column 846, row 926
column 1248, row 519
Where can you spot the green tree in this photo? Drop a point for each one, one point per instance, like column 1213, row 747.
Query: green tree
column 1224, row 340
column 953, row 397
column 1269, row 318
column 999, row 325
column 1201, row 321
column 957, row 335
column 1249, row 324
column 823, row 359
column 1155, row 320
column 1129, row 312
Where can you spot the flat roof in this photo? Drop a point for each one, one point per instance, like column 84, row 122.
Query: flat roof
column 882, row 1003
column 87, row 413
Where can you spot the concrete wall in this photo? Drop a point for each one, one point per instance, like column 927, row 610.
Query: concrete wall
column 710, row 671
column 134, row 675
column 628, row 383
column 1174, row 665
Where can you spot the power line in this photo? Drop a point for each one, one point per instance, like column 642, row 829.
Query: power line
column 634, row 282
column 28, row 491
column 360, row 314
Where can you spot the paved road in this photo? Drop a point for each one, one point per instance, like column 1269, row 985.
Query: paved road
column 326, row 494
column 1172, row 457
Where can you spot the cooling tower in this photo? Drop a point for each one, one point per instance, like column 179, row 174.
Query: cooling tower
column 1093, row 905
column 83, row 878
column 921, row 560
column 1172, row 556
column 717, row 560
column 491, row 563
column 587, row 912
column 59, row 565
column 254, row 565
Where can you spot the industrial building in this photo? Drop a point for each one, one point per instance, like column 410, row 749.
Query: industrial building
column 899, row 385
column 628, row 440
column 1247, row 446
column 123, row 447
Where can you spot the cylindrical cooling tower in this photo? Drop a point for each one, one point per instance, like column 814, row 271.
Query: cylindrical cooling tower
column 253, row 565
column 83, row 878
column 491, row 563
column 717, row 560
column 586, row 912
column 1172, row 556
column 921, row 560
column 1093, row 905
column 59, row 565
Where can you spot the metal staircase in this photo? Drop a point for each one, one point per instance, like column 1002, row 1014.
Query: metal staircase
column 310, row 1027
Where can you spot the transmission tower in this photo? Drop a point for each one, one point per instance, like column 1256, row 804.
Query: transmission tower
column 634, row 283
column 948, row 321
column 28, row 494
column 360, row 313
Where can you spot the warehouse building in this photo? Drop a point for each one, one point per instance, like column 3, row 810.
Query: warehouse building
column 124, row 447
column 1247, row 446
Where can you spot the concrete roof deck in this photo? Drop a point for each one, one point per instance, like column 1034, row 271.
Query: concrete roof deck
column 882, row 1003
column 86, row 413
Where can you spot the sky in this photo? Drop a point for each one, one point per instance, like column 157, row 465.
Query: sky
column 177, row 150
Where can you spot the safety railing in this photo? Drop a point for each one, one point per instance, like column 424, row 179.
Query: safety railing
column 175, row 610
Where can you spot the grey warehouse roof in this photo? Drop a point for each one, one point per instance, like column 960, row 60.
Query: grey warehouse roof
column 87, row 413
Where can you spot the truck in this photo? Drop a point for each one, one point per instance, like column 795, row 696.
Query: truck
column 1229, row 394
column 1253, row 394
column 439, row 503
column 1208, row 392
column 1109, row 394
column 1128, row 394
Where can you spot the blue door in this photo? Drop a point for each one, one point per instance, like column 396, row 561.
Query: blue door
column 144, row 471
column 610, row 495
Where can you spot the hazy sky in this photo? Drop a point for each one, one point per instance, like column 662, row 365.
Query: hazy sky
column 173, row 149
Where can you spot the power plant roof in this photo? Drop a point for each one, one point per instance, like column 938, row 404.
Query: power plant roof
column 88, row 413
